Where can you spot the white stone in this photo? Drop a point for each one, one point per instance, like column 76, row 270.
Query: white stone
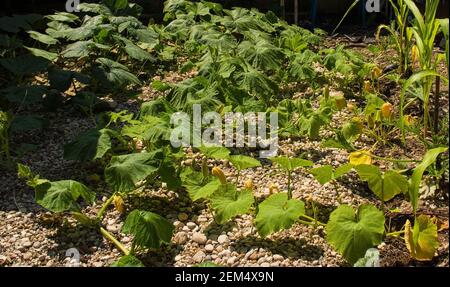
column 199, row 238
column 222, row 239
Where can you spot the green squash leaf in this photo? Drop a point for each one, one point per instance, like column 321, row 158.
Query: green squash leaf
column 150, row 230
column 43, row 38
column 42, row 53
column 289, row 164
column 63, row 17
column 323, row 174
column 241, row 162
column 25, row 65
column 110, row 72
column 27, row 123
column 197, row 185
column 62, row 195
column 89, row 145
column 215, row 152
column 352, row 234
column 125, row 171
column 385, row 185
column 135, row 52
column 24, row 94
column 326, row 173
column 128, row 261
column 278, row 213
column 227, row 203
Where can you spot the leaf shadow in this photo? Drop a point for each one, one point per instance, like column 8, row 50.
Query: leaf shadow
column 288, row 247
column 86, row 240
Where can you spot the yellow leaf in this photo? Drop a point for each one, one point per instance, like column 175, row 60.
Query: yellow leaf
column 360, row 157
column 422, row 240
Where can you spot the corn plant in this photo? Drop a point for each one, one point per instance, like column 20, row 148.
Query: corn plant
column 400, row 33
column 425, row 29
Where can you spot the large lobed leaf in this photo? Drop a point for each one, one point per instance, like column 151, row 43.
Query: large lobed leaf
column 241, row 162
column 324, row 174
column 89, row 145
column 385, row 185
column 351, row 234
column 227, row 202
column 197, row 185
column 150, row 230
column 125, row 171
column 59, row 196
column 289, row 164
column 278, row 212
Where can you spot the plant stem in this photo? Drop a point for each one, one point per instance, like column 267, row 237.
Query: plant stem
column 436, row 105
column 116, row 242
column 104, row 207
column 312, row 219
column 395, row 233
column 305, row 222
column 289, row 186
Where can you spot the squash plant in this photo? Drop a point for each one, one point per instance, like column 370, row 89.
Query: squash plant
column 149, row 230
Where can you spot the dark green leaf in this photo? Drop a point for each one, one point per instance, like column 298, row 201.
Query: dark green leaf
column 63, row 195
column 89, row 145
column 125, row 171
column 149, row 229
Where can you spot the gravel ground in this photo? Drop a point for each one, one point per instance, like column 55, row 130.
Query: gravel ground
column 30, row 236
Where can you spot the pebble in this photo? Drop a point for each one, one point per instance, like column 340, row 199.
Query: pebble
column 27, row 256
column 222, row 239
column 265, row 264
column 209, row 248
column 231, row 260
column 200, row 238
column 198, row 257
column 277, row 257
column 191, row 225
column 180, row 238
column 26, row 242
